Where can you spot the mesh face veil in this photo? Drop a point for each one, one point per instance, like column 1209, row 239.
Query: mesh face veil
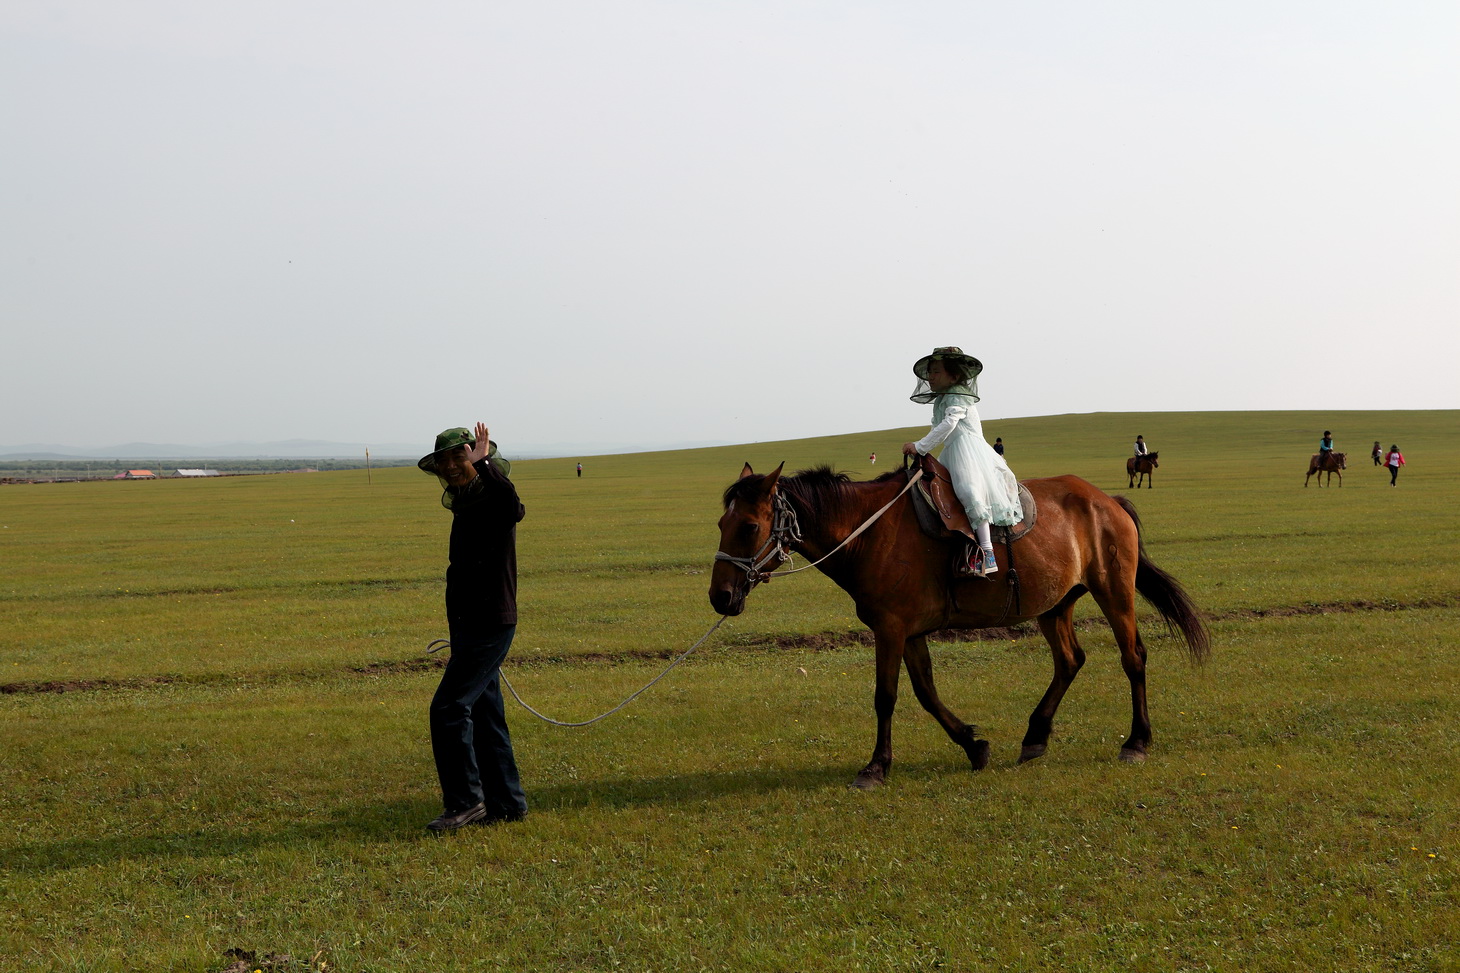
column 454, row 498
column 964, row 369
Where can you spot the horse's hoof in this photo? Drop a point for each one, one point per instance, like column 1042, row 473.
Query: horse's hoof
column 978, row 754
column 866, row 781
column 1129, row 756
column 1029, row 753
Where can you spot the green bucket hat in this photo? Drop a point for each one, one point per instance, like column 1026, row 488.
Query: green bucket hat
column 461, row 436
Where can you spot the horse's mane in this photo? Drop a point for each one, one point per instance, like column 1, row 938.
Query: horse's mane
column 820, row 489
column 818, row 485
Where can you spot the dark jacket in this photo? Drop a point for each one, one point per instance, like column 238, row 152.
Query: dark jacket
column 481, row 580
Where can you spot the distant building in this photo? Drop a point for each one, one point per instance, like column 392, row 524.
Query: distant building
column 197, row 472
column 136, row 475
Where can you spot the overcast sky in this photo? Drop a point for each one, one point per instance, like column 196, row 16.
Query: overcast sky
column 626, row 221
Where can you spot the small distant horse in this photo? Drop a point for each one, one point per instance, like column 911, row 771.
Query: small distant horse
column 904, row 587
column 1143, row 465
column 1331, row 463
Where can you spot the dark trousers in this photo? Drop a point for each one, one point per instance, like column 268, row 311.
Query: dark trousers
column 469, row 737
column 1393, row 475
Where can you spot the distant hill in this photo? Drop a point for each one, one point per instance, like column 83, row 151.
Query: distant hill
column 287, row 449
column 308, row 449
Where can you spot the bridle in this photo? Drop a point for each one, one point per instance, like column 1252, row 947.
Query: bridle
column 786, row 531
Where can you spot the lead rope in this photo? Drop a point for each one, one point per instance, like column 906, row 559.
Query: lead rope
column 438, row 644
column 791, row 529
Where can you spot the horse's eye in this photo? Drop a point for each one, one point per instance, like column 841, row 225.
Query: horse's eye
column 749, row 530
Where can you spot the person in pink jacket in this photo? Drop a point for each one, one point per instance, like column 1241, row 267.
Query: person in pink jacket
column 1393, row 459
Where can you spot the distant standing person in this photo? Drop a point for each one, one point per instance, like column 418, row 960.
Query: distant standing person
column 999, row 445
column 1394, row 459
column 469, row 737
column 580, row 469
column 872, row 459
column 1140, row 447
column 1378, row 454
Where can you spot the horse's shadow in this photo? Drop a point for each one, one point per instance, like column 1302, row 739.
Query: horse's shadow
column 403, row 820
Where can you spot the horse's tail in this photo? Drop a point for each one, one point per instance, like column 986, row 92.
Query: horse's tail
column 1168, row 597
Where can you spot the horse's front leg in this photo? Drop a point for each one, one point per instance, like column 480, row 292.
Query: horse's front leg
column 920, row 668
column 889, row 664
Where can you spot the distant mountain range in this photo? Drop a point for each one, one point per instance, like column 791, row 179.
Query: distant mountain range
column 307, row 449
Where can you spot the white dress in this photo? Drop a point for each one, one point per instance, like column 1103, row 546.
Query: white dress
column 982, row 479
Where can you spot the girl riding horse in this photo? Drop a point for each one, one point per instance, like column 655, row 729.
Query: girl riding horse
column 981, row 477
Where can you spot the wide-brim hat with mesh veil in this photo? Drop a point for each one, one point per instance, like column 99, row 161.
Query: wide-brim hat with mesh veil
column 450, row 439
column 950, row 355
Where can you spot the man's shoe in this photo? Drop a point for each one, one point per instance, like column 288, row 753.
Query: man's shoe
column 450, row 822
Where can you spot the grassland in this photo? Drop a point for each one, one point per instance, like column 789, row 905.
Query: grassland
column 215, row 731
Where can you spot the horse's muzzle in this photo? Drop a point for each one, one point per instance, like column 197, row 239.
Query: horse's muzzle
column 727, row 599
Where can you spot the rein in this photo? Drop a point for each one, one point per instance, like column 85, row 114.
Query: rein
column 786, row 531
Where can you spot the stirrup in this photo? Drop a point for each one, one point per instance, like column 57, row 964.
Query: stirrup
column 965, row 563
column 986, row 565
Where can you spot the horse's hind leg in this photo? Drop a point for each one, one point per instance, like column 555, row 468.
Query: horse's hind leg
column 1058, row 626
column 920, row 668
column 1119, row 606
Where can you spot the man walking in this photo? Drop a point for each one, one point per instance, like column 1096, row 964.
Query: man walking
column 469, row 737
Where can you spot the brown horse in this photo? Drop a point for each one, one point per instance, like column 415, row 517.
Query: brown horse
column 1143, row 465
column 903, row 585
column 1331, row 463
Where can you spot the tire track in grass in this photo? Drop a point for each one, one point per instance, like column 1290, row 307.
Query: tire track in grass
column 815, row 642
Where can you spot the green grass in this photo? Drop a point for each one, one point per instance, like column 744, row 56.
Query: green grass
column 236, row 781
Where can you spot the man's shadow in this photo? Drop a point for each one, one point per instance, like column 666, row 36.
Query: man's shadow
column 403, row 819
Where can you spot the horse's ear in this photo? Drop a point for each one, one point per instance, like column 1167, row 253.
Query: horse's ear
column 747, row 472
column 774, row 475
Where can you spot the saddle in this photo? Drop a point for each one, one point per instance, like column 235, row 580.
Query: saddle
column 941, row 515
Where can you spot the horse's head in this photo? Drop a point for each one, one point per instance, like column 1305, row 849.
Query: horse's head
column 746, row 544
column 1342, row 460
column 1152, row 457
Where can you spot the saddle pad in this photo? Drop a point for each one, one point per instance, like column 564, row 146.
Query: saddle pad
column 1011, row 534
